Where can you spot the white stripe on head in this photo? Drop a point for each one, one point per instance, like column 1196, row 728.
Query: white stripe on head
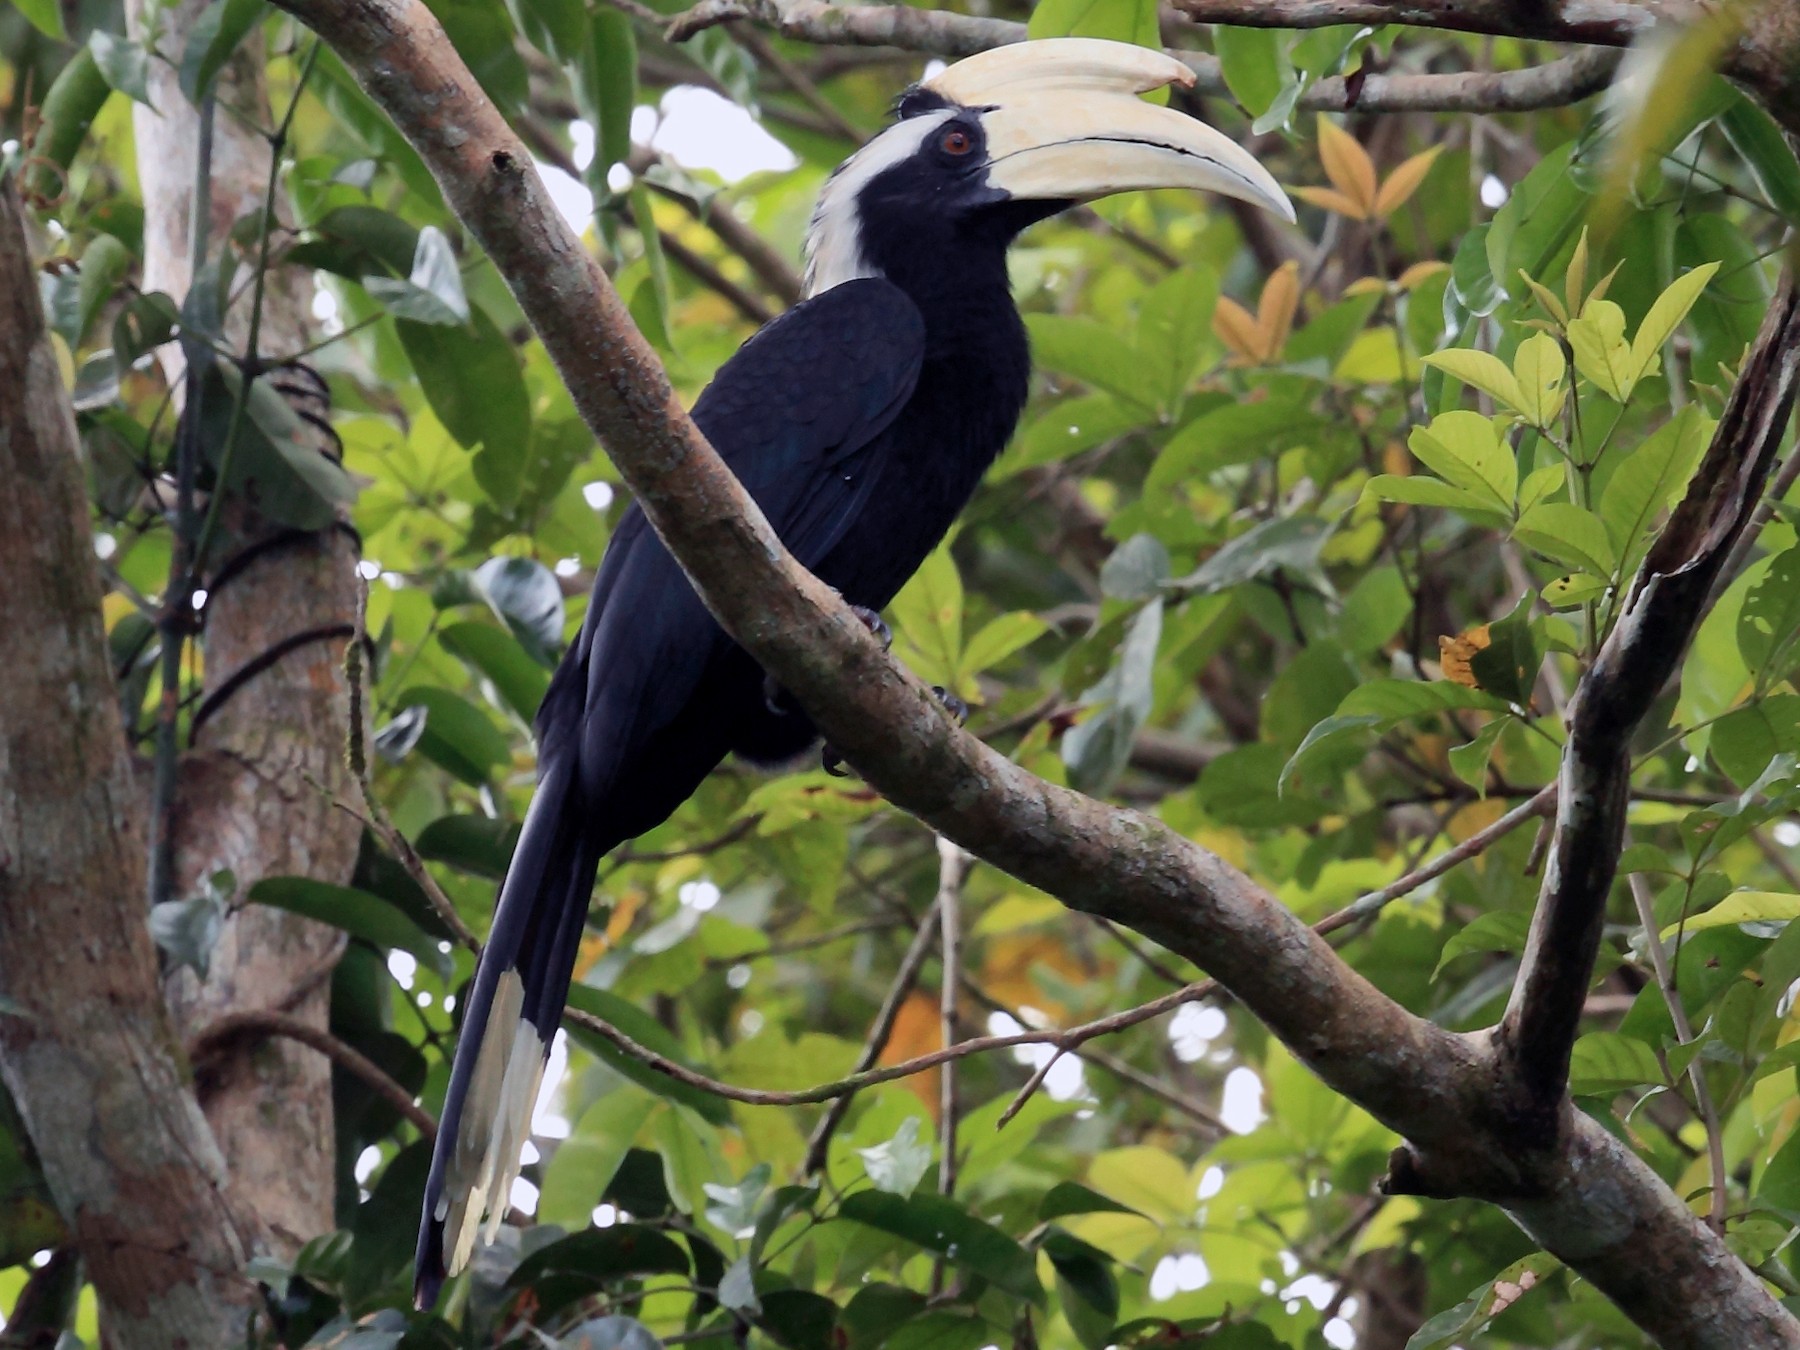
column 834, row 240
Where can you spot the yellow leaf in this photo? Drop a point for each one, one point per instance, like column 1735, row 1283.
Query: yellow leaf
column 1575, row 279
column 1666, row 314
column 1347, row 165
column 1547, row 298
column 1275, row 311
column 1455, row 654
column 1418, row 272
column 1331, row 200
column 1403, row 182
column 1366, row 286
column 1601, row 352
column 1236, row 329
column 1482, row 370
column 1540, row 367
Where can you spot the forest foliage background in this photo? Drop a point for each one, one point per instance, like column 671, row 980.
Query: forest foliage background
column 1305, row 540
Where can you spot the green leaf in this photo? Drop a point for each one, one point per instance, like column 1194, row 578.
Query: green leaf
column 1290, row 544
column 526, row 596
column 276, row 462
column 471, row 378
column 1741, row 907
column 1464, row 449
column 1665, row 317
column 1085, row 1287
column 215, row 35
column 45, row 16
column 457, row 735
column 1089, row 351
column 477, row 844
column 1175, row 329
column 584, row 1263
column 1119, row 20
column 1570, row 535
column 1136, row 569
column 1071, row 1197
column 358, row 913
column 1254, row 63
column 189, row 929
column 898, row 1164
column 1483, row 371
column 124, row 63
column 1236, row 433
column 1649, row 479
column 1376, row 707
column 1743, row 742
column 1760, row 143
column 585, row 1163
column 1470, row 1317
column 1421, row 491
column 432, row 292
column 941, row 1331
column 1508, row 666
column 652, row 1035
column 1097, row 748
column 1601, row 352
column 1072, row 426
column 941, row 1225
column 1499, row 932
column 1769, row 622
column 928, row 618
column 520, row 681
column 1540, row 366
column 606, row 89
column 1605, row 1062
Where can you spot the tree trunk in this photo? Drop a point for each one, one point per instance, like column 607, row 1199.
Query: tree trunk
column 86, row 1048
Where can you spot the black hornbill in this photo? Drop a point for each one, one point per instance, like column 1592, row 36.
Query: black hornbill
column 860, row 421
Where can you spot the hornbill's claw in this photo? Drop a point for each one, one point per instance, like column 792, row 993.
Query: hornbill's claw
column 952, row 704
column 875, row 624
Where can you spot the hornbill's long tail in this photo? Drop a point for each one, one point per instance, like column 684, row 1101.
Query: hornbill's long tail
column 515, row 1005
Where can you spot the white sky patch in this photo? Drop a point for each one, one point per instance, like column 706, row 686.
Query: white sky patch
column 1493, row 192
column 1066, row 1080
column 105, row 546
column 547, row 1119
column 1193, row 1029
column 368, row 569
column 570, row 195
column 1787, row 834
column 750, row 1022
column 605, row 1216
column 402, row 966
column 933, row 69
column 702, row 130
column 567, row 567
column 582, row 142
column 699, row 895
column 1241, row 1108
column 366, row 1163
column 1339, row 1334
column 524, row 1196
column 597, row 495
column 1178, row 1275
column 1212, row 1181
column 324, row 304
column 738, row 976
column 1315, row 1289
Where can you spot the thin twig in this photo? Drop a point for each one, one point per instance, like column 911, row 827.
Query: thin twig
column 219, row 1035
column 374, row 814
column 1684, row 1033
column 1479, row 842
column 953, row 870
column 880, row 1030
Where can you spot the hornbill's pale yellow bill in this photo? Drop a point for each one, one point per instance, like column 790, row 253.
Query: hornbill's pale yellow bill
column 1063, row 120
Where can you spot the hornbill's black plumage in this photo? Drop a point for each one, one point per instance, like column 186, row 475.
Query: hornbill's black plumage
column 861, row 422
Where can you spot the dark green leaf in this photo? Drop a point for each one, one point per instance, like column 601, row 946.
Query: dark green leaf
column 649, row 1033
column 943, row 1226
column 478, row 844
column 520, row 680
column 457, row 735
column 1071, row 1197
column 358, row 913
column 211, row 41
column 584, row 1263
column 471, row 379
column 528, row 598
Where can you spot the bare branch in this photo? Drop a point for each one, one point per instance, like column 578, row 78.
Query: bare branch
column 1665, row 605
column 1609, row 23
column 950, row 35
column 953, row 870
column 210, row 1043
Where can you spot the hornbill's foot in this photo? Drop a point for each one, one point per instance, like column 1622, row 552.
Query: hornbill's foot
column 875, row 624
column 952, row 704
column 833, row 762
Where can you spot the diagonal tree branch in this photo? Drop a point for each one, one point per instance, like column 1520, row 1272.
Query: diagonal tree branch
column 1589, row 1200
column 1665, row 605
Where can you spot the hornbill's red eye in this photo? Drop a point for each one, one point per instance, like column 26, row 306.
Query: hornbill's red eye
column 957, row 142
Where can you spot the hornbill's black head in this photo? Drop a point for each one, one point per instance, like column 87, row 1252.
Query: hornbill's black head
column 1005, row 138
